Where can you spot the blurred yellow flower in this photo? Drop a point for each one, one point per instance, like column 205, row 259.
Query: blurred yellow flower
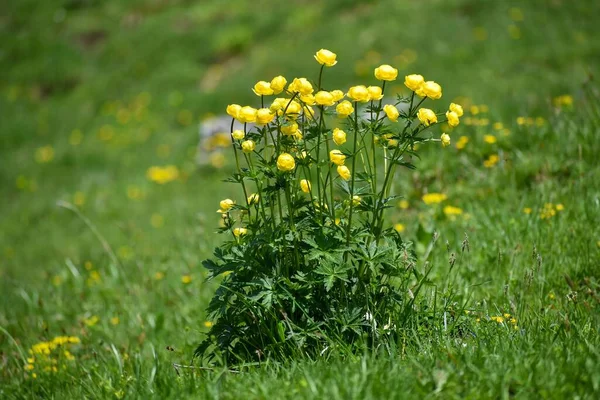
column 44, row 154
column 392, row 112
column 426, row 116
column 337, row 157
column 452, row 211
column 286, row 162
column 403, row 204
column 358, row 93
column 326, row 57
column 238, row 134
column 445, row 138
column 560, row 207
column 452, row 118
column 248, row 146
column 399, row 228
column 491, row 139
column 527, row 210
column 344, row 109
column 237, row 232
column 262, row 88
column 339, row 136
column 278, row 84
column 414, row 81
column 356, row 200
column 305, row 185
column 91, row 321
column 324, row 98
column 208, row 324
column 386, row 73
column 491, row 161
column 162, row 175
column 434, row 198
column 225, row 205
column 375, row 93
column 462, row 142
column 185, row 279
column 114, row 321
column 344, row 172
column 247, row 114
column 289, row 129
column 254, row 198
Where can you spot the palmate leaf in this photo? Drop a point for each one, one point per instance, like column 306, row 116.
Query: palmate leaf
column 333, row 271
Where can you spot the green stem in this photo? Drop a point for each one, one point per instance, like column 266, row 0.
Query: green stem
column 352, row 173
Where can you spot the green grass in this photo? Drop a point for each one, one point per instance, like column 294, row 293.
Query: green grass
column 70, row 66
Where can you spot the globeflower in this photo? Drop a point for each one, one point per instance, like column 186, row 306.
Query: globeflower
column 337, row 157
column 278, row 84
column 305, row 185
column 237, row 232
column 339, row 136
column 233, row 110
column 337, row 94
column 285, row 162
column 300, row 85
column 225, row 205
column 262, row 88
column 326, row 57
column 247, row 114
column 386, row 73
column 289, row 129
column 392, row 112
column 358, row 93
column 375, row 93
column 248, row 146
column 344, row 172
column 253, row 198
column 324, row 98
column 445, row 138
column 238, row 134
column 430, row 89
column 426, row 116
column 264, row 116
column 344, row 109
column 452, row 118
column 414, row 81
column 457, row 109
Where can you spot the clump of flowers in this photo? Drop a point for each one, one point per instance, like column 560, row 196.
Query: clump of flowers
column 311, row 264
column 49, row 356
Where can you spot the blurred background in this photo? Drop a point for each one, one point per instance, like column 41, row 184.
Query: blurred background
column 100, row 104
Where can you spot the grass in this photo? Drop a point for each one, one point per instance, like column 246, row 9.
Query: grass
column 93, row 94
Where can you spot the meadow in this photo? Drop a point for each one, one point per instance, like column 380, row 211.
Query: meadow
column 106, row 215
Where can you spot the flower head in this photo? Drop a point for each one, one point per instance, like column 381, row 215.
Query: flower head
column 305, row 185
column 392, row 112
column 247, row 114
column 225, row 205
column 253, row 198
column 326, row 57
column 289, row 129
column 233, row 110
column 375, row 93
column 264, row 116
column 457, row 108
column 434, row 198
column 426, row 116
column 445, row 138
column 337, row 157
column 324, row 98
column 414, row 81
column 248, row 146
column 339, row 136
column 344, row 109
column 358, row 93
column 430, row 89
column 278, row 84
column 337, row 94
column 237, row 232
column 262, row 88
column 238, row 134
column 286, row 162
column 344, row 172
column 386, row 73
column 452, row 118
column 300, row 85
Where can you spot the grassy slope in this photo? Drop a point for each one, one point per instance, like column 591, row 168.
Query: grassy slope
column 74, row 65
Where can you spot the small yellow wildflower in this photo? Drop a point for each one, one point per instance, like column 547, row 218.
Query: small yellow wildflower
column 445, row 138
column 491, row 139
column 208, row 324
column 344, row 172
column 358, row 93
column 527, row 210
column 414, row 81
column 185, row 279
column 93, row 320
column 491, row 161
column 462, row 142
column 434, row 198
column 386, row 73
column 237, row 232
column 326, row 58
column 399, row 227
column 560, row 207
column 451, row 211
column 403, row 204
column 337, row 157
column 426, row 116
column 286, row 162
column 339, row 136
column 391, row 112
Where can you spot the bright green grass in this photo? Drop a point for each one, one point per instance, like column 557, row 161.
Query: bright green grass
column 73, row 65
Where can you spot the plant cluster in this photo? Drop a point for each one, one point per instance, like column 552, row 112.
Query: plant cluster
column 310, row 266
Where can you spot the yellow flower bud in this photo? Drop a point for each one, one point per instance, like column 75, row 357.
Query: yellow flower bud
column 247, row 114
column 392, row 143
column 262, row 88
column 414, row 81
column 339, row 136
column 344, row 109
column 392, row 112
column 337, row 94
column 238, row 134
column 431, row 90
column 285, row 162
column 300, row 85
column 278, row 104
column 358, row 93
column 289, row 129
column 253, row 198
column 426, row 116
column 292, row 109
column 457, row 109
column 264, row 116
column 386, row 73
column 298, row 135
column 248, row 146
column 225, row 205
column 375, row 93
column 344, row 172
column 326, row 57
column 337, row 157
column 445, row 138
column 305, row 186
column 308, row 99
column 452, row 118
column 324, row 98
column 237, row 232
column 233, row 110
column 356, row 200
column 278, row 84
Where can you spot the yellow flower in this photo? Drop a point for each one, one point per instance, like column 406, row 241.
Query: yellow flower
column 413, row 81
column 208, row 324
column 344, row 172
column 185, row 279
column 337, row 94
column 392, row 112
column 434, row 198
column 278, row 84
column 452, row 211
column 114, row 320
column 358, row 93
column 278, row 104
column 344, row 109
column 247, row 114
column 457, row 108
column 375, row 93
column 324, row 98
column 399, row 228
column 326, row 57
column 262, row 88
column 91, row 321
column 403, row 204
column 289, row 129
column 386, row 73
column 305, row 185
column 560, row 207
column 225, row 205
column 162, row 175
column 392, row 143
column 248, row 146
column 491, row 161
column 233, row 110
column 445, row 138
column 452, row 118
column 426, row 116
column 300, row 85
column 238, row 134
column 292, row 109
column 237, row 232
column 285, row 162
column 491, row 139
column 527, row 210
column 308, row 99
column 462, row 142
column 431, row 90
column 264, row 116
column 337, row 157
column 253, row 198
column 356, row 200
column 339, row 136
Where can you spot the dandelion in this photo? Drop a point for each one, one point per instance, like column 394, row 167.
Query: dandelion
column 326, row 58
column 434, row 198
